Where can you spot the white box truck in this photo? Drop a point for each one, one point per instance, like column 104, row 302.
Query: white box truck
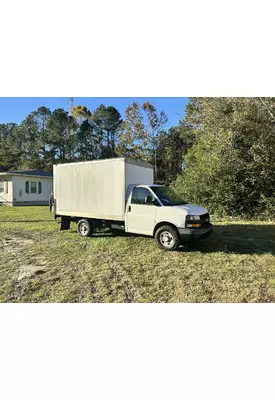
column 119, row 193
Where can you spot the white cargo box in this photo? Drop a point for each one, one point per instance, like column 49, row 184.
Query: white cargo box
column 97, row 189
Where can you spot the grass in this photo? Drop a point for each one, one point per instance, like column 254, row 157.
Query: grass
column 38, row 263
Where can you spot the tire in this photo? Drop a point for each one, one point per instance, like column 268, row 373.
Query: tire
column 167, row 238
column 84, row 228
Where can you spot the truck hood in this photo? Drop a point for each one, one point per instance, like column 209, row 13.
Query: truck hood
column 192, row 209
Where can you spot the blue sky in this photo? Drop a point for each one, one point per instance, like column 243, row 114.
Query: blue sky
column 15, row 109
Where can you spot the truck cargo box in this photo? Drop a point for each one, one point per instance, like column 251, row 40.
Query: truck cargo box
column 97, row 189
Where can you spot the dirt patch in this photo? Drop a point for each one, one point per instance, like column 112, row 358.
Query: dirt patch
column 26, row 271
column 17, row 248
column 14, row 245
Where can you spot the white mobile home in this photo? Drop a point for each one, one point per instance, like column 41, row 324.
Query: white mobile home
column 30, row 187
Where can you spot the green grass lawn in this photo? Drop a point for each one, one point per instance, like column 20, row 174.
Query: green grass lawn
column 38, row 263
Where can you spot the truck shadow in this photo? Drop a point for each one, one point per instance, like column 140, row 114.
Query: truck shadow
column 112, row 233
column 235, row 238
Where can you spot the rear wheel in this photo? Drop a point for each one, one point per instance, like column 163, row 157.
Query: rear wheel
column 167, row 238
column 84, row 228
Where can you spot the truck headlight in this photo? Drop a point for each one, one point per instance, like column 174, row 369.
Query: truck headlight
column 193, row 217
column 192, row 221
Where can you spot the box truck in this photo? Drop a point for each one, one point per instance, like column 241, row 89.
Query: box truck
column 119, row 193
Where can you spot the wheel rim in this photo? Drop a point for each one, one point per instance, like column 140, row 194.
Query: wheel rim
column 166, row 239
column 83, row 229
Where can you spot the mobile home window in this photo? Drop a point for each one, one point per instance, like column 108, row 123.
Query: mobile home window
column 2, row 186
column 33, row 187
column 27, row 186
column 39, row 187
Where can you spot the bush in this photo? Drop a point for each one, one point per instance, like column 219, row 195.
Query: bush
column 230, row 169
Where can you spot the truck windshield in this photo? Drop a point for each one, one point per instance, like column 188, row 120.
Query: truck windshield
column 167, row 196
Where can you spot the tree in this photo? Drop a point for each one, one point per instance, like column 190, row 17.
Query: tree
column 140, row 131
column 170, row 152
column 89, row 138
column 107, row 120
column 11, row 150
column 31, row 141
column 31, row 138
column 88, row 143
column 41, row 116
column 81, row 113
column 61, row 136
column 230, row 167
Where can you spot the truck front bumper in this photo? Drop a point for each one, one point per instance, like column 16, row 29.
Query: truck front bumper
column 187, row 234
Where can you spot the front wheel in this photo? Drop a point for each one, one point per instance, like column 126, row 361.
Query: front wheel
column 167, row 238
column 84, row 228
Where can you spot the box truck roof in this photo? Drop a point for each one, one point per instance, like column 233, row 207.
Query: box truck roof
column 109, row 160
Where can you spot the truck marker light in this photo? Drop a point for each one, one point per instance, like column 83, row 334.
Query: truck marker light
column 193, row 225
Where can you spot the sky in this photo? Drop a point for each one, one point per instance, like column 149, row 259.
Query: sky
column 15, row 109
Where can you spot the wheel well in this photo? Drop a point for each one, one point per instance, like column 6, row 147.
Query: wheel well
column 164, row 223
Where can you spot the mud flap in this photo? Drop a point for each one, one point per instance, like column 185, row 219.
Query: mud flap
column 53, row 209
column 51, row 200
column 65, row 223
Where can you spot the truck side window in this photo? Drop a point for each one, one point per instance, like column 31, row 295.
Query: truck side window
column 139, row 195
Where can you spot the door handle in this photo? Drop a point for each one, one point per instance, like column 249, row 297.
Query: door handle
column 129, row 209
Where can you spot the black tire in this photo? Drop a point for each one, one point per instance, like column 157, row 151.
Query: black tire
column 167, row 238
column 84, row 228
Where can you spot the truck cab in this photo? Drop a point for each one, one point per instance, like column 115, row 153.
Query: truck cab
column 155, row 210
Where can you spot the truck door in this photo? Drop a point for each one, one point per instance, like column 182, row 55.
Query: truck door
column 141, row 212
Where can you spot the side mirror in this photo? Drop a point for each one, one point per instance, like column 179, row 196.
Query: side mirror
column 149, row 200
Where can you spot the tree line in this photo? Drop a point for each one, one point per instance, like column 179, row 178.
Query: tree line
column 46, row 137
column 226, row 144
